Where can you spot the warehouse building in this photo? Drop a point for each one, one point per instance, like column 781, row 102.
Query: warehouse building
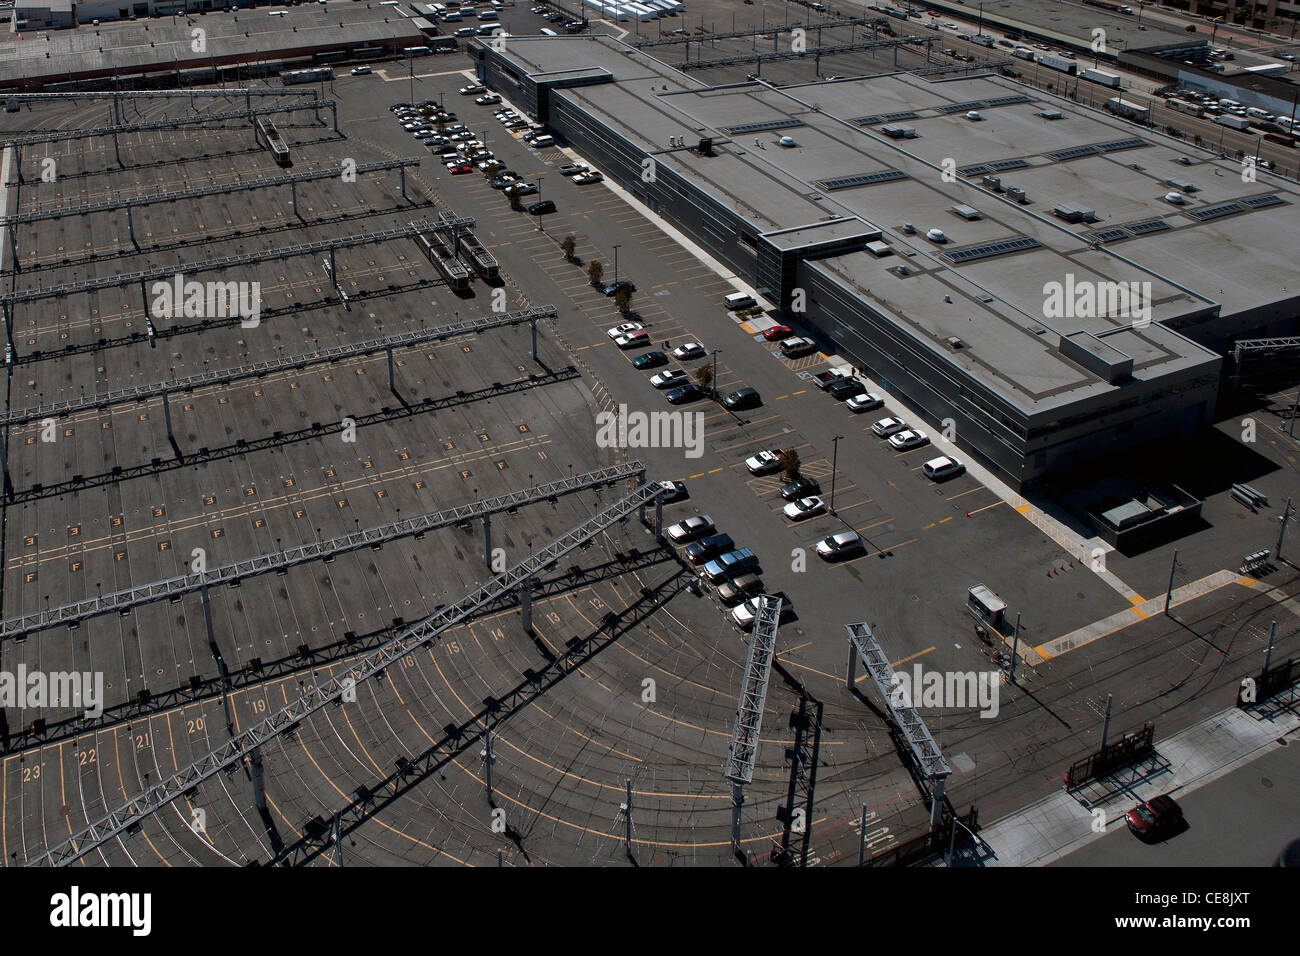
column 971, row 257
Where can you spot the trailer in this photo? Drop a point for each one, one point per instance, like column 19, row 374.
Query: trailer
column 1128, row 109
column 1063, row 63
column 314, row 75
column 1101, row 76
column 1023, row 53
column 1232, row 122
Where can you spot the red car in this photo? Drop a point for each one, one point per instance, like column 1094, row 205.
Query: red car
column 461, row 170
column 777, row 332
column 1155, row 817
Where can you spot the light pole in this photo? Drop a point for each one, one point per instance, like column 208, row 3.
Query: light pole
column 713, row 382
column 616, row 248
column 410, row 59
column 835, row 458
column 1169, row 591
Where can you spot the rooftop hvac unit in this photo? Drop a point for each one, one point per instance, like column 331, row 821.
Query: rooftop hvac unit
column 909, row 229
column 1051, row 115
column 993, row 183
column 706, row 146
column 955, row 343
column 936, row 235
column 1018, row 194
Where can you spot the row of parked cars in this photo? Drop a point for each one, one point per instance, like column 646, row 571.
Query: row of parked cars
column 803, row 501
column 731, row 570
column 678, row 387
column 563, row 21
column 456, row 147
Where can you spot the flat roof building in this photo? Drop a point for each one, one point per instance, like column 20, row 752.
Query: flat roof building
column 1047, row 340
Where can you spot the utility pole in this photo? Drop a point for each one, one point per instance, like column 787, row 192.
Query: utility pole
column 1281, row 532
column 1015, row 649
column 1268, row 653
column 835, row 457
column 1105, row 727
column 1169, row 591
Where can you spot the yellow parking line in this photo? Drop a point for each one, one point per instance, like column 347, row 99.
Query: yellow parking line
column 987, row 507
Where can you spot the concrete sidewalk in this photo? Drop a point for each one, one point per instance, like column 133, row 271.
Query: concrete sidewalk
column 1060, row 824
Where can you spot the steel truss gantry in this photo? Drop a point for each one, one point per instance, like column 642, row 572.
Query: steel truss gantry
column 863, row 645
column 276, row 561
column 248, row 743
column 1244, row 347
column 253, row 370
column 739, row 768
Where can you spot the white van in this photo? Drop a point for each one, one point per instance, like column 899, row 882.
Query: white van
column 738, row 300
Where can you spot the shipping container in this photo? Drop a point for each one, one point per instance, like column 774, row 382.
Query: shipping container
column 1101, row 76
column 1127, row 109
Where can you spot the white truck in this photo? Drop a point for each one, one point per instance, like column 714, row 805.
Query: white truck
column 1100, row 76
column 1232, row 122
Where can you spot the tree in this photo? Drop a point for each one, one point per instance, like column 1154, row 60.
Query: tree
column 512, row 191
column 790, row 464
column 595, row 272
column 623, row 299
column 568, row 246
column 704, row 377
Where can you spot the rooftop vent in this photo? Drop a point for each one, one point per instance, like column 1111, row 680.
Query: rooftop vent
column 909, row 229
column 786, row 141
column 936, row 235
column 955, row 343
column 974, row 116
column 1176, row 199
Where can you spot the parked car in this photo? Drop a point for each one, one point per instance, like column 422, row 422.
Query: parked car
column 732, row 592
column 362, row 71
column 472, row 90
column 801, row 487
column 1157, row 816
column 909, row 438
column 764, row 463
column 742, row 398
column 805, row 508
column 690, row 529
column 487, row 99
column 541, row 208
column 777, row 332
column 683, row 394
column 746, row 614
column 887, row 426
column 624, row 329
column 633, row 340
column 797, row 345
column 841, row 545
column 460, row 169
column 650, row 360
column 845, row 388
column 863, row 402
column 525, row 189
column 706, row 548
column 942, row 468
column 688, row 351
column 611, row 288
column 571, row 169
column 590, row 176
column 730, row 564
column 669, row 378
column 674, row 491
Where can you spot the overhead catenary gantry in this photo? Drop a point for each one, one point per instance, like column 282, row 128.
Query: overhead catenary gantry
column 143, row 277
column 277, row 561
column 255, row 370
column 128, row 203
column 247, row 744
column 249, row 113
column 864, row 646
column 739, row 768
column 760, row 31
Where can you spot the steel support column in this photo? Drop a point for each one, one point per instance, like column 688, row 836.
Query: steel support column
column 533, row 328
column 526, row 604
column 487, row 541
column 171, row 436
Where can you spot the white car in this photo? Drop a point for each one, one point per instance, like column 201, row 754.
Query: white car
column 693, row 528
column 805, row 508
column 764, row 463
column 633, row 339
column 743, row 614
column 937, row 469
column 863, row 402
column 840, row 545
column 689, row 350
column 624, row 329
column 472, row 90
column 488, row 99
column 888, row 426
column 669, row 378
column 362, row 71
column 909, row 439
